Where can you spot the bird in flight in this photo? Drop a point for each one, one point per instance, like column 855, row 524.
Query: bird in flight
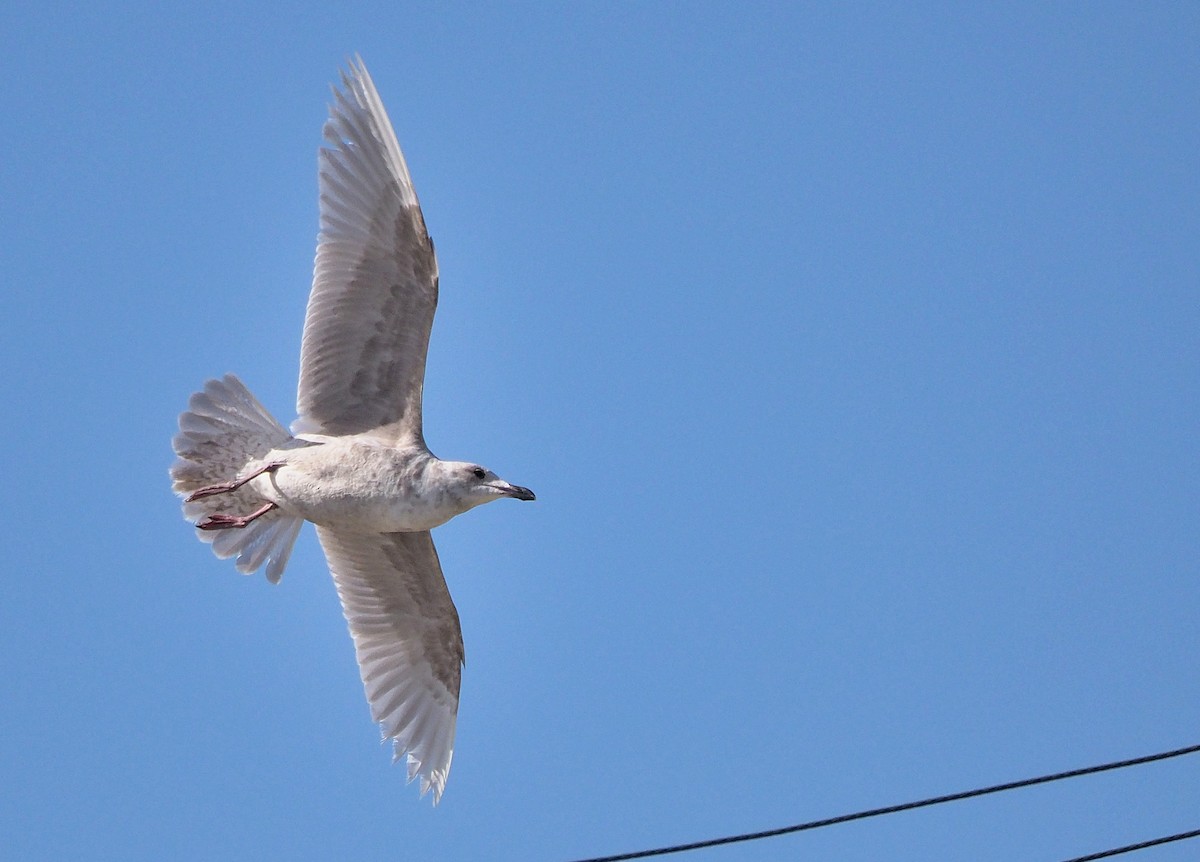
column 355, row 463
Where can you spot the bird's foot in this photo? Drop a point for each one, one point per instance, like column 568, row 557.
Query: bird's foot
column 226, row 487
column 209, row 490
column 221, row 521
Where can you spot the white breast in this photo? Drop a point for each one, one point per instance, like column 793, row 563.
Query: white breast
column 358, row 485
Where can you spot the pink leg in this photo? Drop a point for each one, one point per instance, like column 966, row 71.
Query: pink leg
column 226, row 487
column 233, row 522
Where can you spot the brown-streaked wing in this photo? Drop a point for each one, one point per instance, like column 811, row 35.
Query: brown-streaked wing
column 375, row 281
column 407, row 640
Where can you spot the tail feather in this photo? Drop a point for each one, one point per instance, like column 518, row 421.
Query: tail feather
column 224, row 429
column 268, row 539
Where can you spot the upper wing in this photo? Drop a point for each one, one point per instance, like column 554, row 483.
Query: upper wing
column 375, row 282
column 407, row 639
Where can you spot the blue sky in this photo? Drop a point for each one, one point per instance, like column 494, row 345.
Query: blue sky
column 852, row 354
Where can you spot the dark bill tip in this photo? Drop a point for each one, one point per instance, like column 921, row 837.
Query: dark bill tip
column 519, row 493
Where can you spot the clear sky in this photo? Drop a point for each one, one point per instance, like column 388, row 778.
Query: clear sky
column 852, row 354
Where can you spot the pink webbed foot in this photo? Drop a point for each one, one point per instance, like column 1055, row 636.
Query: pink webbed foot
column 232, row 522
column 226, row 487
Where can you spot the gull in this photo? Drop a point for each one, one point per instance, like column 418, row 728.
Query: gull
column 355, row 463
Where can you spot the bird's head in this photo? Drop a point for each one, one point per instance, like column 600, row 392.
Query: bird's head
column 474, row 485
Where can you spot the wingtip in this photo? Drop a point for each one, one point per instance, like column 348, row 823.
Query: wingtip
column 432, row 781
column 355, row 72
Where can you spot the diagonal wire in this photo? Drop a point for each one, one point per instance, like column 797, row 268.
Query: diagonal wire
column 1141, row 845
column 905, row 806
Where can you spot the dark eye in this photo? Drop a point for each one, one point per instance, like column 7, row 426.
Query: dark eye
column 479, row 472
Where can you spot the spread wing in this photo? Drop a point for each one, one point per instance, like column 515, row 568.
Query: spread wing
column 407, row 639
column 375, row 281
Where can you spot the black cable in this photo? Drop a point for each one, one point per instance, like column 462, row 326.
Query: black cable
column 1141, row 845
column 908, row 806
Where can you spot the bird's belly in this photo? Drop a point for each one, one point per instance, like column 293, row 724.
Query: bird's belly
column 350, row 505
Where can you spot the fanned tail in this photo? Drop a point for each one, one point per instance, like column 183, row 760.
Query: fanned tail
column 224, row 429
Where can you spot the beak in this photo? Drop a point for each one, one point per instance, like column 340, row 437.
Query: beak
column 517, row 492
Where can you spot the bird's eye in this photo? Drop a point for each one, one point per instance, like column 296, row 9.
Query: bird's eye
column 479, row 472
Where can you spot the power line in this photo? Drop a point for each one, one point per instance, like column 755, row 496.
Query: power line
column 1129, row 848
column 909, row 806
